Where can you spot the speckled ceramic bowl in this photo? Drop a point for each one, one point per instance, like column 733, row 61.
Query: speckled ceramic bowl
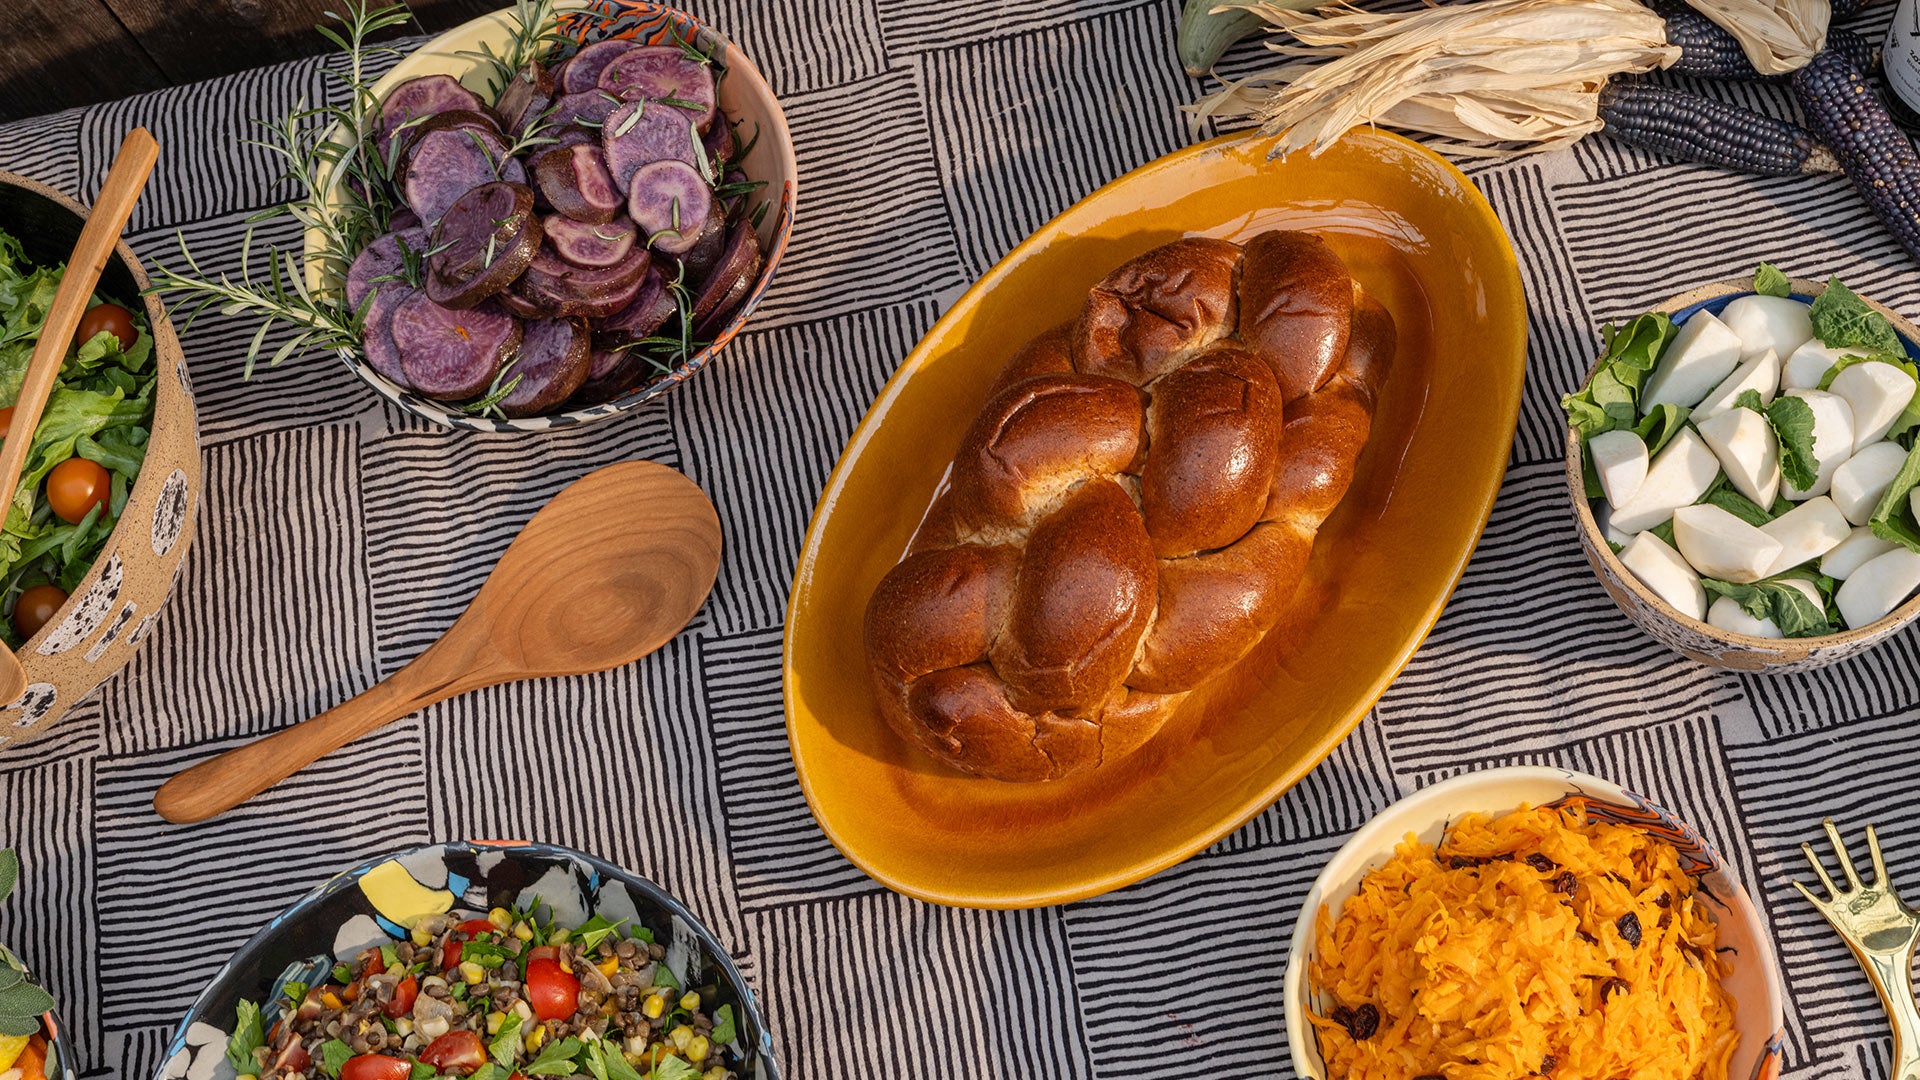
column 60, row 1060
column 114, row 607
column 1690, row 637
column 1755, row 980
column 351, row 912
column 744, row 95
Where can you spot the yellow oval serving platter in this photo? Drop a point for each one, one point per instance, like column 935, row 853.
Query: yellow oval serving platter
column 1418, row 235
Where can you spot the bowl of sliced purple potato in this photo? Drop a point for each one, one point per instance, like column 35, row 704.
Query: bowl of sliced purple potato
column 1744, row 466
column 554, row 213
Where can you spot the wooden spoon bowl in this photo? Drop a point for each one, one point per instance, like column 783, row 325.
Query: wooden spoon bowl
column 607, row 572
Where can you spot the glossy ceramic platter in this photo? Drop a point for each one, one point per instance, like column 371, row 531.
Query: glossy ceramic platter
column 1419, row 236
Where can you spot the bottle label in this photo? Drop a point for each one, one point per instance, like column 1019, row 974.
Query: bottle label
column 1900, row 54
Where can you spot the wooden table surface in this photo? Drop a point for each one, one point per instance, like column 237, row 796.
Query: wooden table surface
column 55, row 54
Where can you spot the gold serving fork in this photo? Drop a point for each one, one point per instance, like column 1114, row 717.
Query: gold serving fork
column 1881, row 930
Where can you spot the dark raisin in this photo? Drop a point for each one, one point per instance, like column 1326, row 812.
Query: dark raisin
column 1615, row 985
column 1664, row 900
column 1586, row 937
column 1547, row 1065
column 1629, row 927
column 1666, row 919
column 1566, row 883
column 1462, row 862
column 1360, row 1023
column 1542, row 863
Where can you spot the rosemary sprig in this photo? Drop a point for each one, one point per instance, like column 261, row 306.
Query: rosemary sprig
column 488, row 404
column 535, row 37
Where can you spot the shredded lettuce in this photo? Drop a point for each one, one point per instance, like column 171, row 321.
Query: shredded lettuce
column 101, row 409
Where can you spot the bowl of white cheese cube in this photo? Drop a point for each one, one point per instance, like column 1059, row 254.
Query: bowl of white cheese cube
column 1742, row 465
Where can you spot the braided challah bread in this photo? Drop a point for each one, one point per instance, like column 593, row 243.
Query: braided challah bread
column 1133, row 508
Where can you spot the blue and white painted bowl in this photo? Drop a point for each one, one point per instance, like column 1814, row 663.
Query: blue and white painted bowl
column 350, row 913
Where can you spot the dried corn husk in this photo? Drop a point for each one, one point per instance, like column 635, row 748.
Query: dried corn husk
column 1778, row 36
column 1487, row 77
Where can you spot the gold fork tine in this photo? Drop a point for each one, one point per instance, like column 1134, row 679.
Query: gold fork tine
column 1879, row 863
column 1814, row 861
column 1840, row 849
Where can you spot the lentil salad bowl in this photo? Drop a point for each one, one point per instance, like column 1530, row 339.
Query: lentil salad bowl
column 478, row 961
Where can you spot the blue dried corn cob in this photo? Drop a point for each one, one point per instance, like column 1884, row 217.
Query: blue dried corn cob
column 1679, row 124
column 1848, row 114
column 1709, row 52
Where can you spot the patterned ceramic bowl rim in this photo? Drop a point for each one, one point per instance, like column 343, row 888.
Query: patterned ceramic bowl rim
column 579, row 18
column 61, row 1056
column 1680, row 307
column 1427, row 813
column 348, row 878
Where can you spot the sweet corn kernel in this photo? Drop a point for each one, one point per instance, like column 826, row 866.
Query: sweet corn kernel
column 654, row 1006
column 522, row 931
column 500, row 918
column 536, row 1037
column 690, row 1000
column 331, row 1000
column 419, row 936
column 680, row 1036
column 242, row 1076
column 608, row 966
column 718, row 1072
column 494, row 1020
column 698, row 1047
column 472, row 972
column 559, row 937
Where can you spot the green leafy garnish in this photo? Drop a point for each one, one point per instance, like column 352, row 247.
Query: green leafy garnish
column 333, row 1056
column 596, row 930
column 506, row 1044
column 555, row 1059
column 723, row 1029
column 246, row 1038
column 674, row 1068
column 424, row 1071
column 1892, row 518
column 488, row 1071
column 663, row 977
column 605, row 1062
column 1608, row 400
column 294, row 991
column 1769, row 281
column 1664, row 531
column 1726, row 498
column 389, row 958
column 1788, row 607
column 1845, row 362
column 343, row 973
column 1842, row 320
column 484, row 953
column 1792, row 420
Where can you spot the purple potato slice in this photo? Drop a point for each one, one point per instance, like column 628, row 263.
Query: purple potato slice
column 381, row 259
column 552, row 363
column 377, row 346
column 449, row 354
column 638, row 132
column 670, row 201
column 447, row 164
column 423, row 96
column 575, row 181
column 591, row 246
column 518, row 303
column 485, row 240
column 649, row 310
column 564, row 290
column 582, row 71
column 720, row 142
column 739, row 262
column 588, row 109
column 525, row 97
column 704, row 255
column 482, row 124
column 663, row 73
column 402, row 220
column 571, row 135
column 610, row 374
column 729, row 302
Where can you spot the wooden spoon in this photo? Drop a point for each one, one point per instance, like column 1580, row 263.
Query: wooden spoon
column 606, row 573
column 125, row 180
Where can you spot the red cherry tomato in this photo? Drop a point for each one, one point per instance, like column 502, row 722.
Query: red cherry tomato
column 375, row 1067
column 456, row 1051
column 553, row 993
column 403, row 997
column 543, row 952
column 111, row 317
column 76, row 486
column 35, row 607
column 477, row 926
column 293, row 1057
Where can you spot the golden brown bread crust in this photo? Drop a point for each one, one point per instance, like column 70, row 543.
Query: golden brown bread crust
column 1133, row 508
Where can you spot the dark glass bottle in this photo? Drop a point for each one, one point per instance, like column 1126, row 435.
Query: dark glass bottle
column 1900, row 66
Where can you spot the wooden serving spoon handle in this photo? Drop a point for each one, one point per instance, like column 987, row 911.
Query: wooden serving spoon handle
column 449, row 667
column 125, row 180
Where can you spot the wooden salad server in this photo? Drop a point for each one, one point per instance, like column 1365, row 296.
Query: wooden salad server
column 125, row 180
column 610, row 570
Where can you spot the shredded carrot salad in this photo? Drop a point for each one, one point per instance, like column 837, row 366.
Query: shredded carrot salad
column 1537, row 943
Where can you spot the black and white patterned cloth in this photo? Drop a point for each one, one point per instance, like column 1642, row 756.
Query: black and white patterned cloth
column 337, row 537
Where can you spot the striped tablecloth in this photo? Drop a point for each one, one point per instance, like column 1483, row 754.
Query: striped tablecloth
column 337, row 537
